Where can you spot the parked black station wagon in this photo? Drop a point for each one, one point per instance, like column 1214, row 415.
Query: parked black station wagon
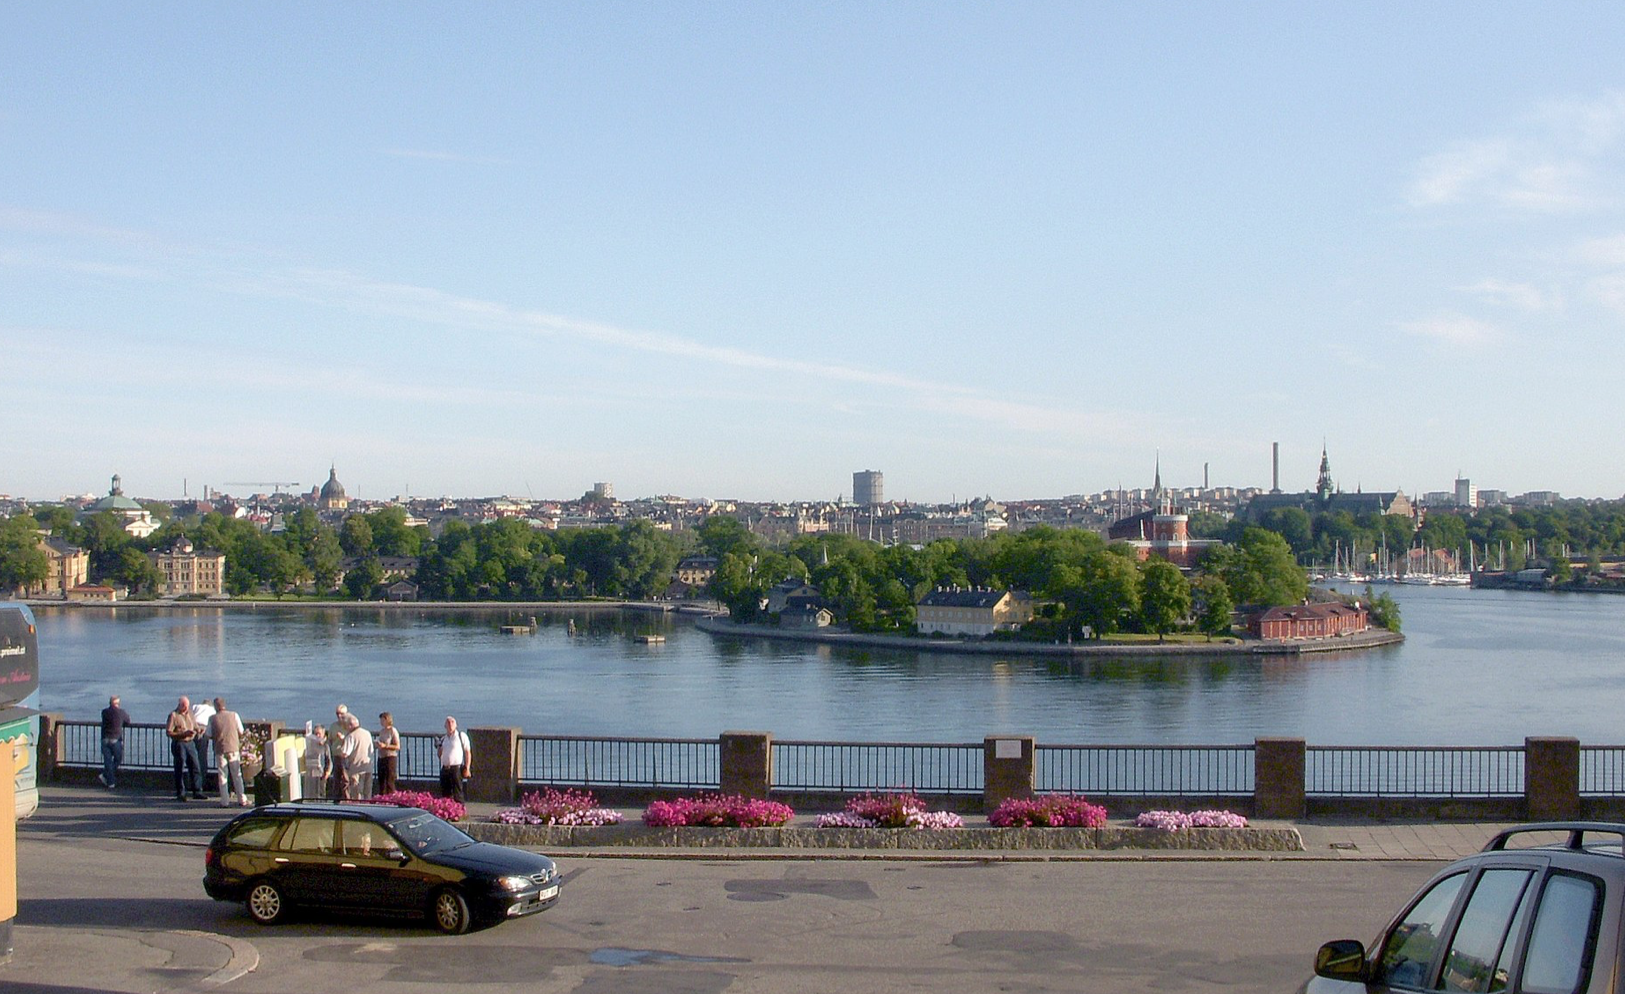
column 1540, row 910
column 372, row 858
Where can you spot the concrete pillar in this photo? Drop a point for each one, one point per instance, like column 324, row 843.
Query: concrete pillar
column 50, row 747
column 494, row 776
column 747, row 763
column 1551, row 778
column 1278, row 778
column 1008, row 768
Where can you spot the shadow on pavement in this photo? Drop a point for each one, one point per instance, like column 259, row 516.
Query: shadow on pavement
column 100, row 912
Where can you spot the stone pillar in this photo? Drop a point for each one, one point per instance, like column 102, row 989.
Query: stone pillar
column 1551, row 779
column 49, row 750
column 1278, row 778
column 747, row 763
column 495, row 768
column 1008, row 768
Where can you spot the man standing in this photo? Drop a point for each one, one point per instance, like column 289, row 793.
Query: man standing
column 455, row 761
column 337, row 732
column 318, row 764
column 358, row 756
column 226, row 731
column 202, row 711
column 183, row 732
column 114, row 718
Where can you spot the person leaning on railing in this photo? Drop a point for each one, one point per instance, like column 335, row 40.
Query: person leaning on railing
column 114, row 718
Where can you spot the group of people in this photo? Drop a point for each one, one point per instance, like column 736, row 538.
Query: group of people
column 194, row 732
column 338, row 757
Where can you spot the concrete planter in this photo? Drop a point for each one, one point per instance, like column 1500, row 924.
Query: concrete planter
column 637, row 835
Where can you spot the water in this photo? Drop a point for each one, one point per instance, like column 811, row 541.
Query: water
column 1479, row 668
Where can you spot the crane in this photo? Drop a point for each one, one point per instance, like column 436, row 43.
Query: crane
column 276, row 487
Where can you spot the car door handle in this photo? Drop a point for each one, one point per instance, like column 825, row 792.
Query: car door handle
column 281, row 859
column 348, row 866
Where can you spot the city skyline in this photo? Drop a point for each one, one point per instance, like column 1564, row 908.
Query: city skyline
column 741, row 251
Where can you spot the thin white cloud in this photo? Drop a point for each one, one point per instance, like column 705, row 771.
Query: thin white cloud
column 1561, row 157
column 345, row 291
column 1608, row 251
column 1452, row 329
column 1523, row 296
column 437, row 156
column 1609, row 291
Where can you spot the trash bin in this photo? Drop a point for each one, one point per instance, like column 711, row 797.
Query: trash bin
column 270, row 787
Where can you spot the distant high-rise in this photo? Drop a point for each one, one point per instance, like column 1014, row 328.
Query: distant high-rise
column 868, row 487
column 603, row 491
column 1466, row 493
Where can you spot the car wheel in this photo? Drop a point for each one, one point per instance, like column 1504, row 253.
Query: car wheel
column 449, row 911
column 265, row 902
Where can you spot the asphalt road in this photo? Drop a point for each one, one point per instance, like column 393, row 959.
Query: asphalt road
column 102, row 909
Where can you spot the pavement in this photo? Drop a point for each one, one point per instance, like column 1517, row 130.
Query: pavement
column 93, row 940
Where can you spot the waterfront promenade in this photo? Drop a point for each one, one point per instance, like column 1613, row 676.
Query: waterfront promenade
column 110, row 900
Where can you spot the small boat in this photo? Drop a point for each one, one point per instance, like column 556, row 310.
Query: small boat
column 649, row 639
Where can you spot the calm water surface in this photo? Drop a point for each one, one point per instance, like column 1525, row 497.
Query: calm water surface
column 1478, row 668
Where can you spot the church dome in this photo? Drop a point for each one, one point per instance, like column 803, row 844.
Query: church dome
column 332, row 489
column 115, row 500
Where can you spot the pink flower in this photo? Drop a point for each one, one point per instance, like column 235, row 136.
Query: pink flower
column 717, row 810
column 1047, row 810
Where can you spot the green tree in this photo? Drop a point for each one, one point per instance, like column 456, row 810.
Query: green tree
column 1260, row 569
column 1107, row 593
column 137, row 572
column 23, row 563
column 1215, row 607
column 1165, row 596
column 361, row 580
column 355, row 536
column 1384, row 611
column 1292, row 524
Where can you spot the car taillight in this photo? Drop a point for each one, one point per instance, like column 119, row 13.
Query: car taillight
column 210, row 857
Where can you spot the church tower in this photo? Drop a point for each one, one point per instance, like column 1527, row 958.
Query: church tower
column 1323, row 486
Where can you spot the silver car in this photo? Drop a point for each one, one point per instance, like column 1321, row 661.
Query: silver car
column 1539, row 910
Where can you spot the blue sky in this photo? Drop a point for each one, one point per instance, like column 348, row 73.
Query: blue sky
column 742, row 250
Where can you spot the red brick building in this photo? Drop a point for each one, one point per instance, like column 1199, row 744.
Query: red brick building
column 1309, row 621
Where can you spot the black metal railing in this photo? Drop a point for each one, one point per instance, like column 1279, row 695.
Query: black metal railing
column 1194, row 770
column 559, row 760
column 1413, row 771
column 878, row 766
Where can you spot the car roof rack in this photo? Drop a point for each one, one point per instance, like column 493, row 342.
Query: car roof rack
column 1577, row 833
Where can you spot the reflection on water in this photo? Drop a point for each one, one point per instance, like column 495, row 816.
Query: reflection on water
column 1479, row 667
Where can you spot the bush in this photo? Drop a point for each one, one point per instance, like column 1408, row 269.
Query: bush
column 721, row 810
column 441, row 807
column 895, row 810
column 1174, row 821
column 1047, row 811
column 558, row 807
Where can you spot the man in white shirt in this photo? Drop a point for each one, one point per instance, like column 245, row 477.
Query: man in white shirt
column 456, row 755
column 202, row 711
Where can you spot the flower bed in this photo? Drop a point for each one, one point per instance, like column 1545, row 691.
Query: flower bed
column 1174, row 821
column 895, row 810
column 441, row 807
column 1047, row 811
column 558, row 807
column 717, row 810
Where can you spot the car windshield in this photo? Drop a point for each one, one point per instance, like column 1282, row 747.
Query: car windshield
column 424, row 834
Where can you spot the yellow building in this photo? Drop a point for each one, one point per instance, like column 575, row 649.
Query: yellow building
column 68, row 566
column 979, row 612
column 186, row 571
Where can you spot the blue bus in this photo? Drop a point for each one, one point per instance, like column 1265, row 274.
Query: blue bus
column 19, row 700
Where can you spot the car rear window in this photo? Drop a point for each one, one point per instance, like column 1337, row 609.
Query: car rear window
column 1564, row 938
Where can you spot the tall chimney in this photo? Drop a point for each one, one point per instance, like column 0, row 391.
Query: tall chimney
column 1275, row 468
column 1204, row 476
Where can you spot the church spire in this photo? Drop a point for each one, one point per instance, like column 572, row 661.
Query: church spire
column 1323, row 486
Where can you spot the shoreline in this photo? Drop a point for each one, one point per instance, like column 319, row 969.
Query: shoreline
column 707, row 618
column 1374, row 638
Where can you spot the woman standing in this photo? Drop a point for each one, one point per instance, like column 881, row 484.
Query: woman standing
column 387, row 743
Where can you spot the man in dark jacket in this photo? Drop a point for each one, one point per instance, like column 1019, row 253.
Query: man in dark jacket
column 114, row 718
